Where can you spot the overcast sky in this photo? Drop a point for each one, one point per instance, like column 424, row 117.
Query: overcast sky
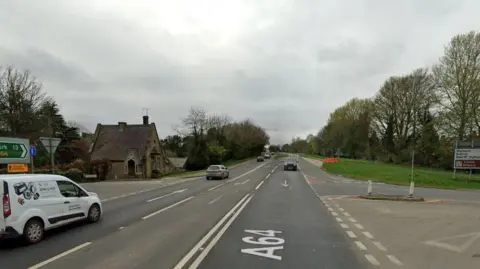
column 285, row 64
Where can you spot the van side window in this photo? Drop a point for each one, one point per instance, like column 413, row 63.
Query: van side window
column 68, row 189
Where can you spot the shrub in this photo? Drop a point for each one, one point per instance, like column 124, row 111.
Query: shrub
column 79, row 164
column 75, row 174
column 101, row 168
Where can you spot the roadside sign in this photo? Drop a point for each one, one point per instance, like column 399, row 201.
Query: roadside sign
column 50, row 142
column 14, row 150
column 33, row 150
column 17, row 168
column 467, row 158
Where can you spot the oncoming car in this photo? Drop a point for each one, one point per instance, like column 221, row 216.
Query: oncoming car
column 290, row 164
column 260, row 159
column 33, row 204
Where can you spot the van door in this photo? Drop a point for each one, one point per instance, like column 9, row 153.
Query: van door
column 75, row 207
column 5, row 204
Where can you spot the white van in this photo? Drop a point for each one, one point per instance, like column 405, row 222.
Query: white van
column 35, row 203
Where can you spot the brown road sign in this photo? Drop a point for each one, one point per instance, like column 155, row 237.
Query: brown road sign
column 17, row 168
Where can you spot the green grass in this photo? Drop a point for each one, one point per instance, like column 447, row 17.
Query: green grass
column 398, row 174
column 280, row 155
column 203, row 171
column 311, row 156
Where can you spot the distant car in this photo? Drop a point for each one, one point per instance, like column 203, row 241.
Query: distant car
column 267, row 156
column 290, row 165
column 33, row 204
column 217, row 171
column 260, row 159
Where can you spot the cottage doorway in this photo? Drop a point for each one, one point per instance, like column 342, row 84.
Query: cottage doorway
column 131, row 167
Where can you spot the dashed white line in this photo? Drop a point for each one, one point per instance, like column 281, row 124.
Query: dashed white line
column 61, row 255
column 329, row 208
column 351, row 234
column 368, row 235
column 121, row 228
column 218, row 186
column 394, row 260
column 346, row 214
column 359, row 226
column 168, row 207
column 334, row 213
column 372, row 259
column 344, row 226
column 258, row 186
column 341, row 209
column 214, row 200
column 339, row 219
column 352, row 219
column 166, row 195
column 360, row 245
column 267, row 176
column 380, row 246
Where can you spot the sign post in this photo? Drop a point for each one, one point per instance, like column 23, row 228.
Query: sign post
column 14, row 150
column 33, row 152
column 51, row 144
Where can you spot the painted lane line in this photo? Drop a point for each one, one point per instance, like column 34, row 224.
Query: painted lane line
column 61, row 255
column 372, row 259
column 352, row 219
column 380, row 246
column 217, row 237
column 360, row 245
column 166, row 195
column 214, row 200
column 368, row 235
column 394, row 260
column 246, row 173
column 202, row 241
column 267, row 176
column 258, row 186
column 341, row 209
column 218, row 186
column 351, row 234
column 344, row 226
column 339, row 219
column 359, row 226
column 330, row 209
column 168, row 207
column 334, row 214
column 346, row 214
column 241, row 183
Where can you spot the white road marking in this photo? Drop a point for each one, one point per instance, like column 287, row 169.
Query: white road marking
column 61, row 255
column 267, row 176
column 166, row 195
column 394, row 260
column 360, row 245
column 372, row 259
column 351, row 234
column 329, row 208
column 168, row 207
column 470, row 239
column 352, row 219
column 202, row 241
column 334, row 214
column 359, row 226
column 214, row 200
column 344, row 226
column 259, row 184
column 217, row 237
column 218, row 186
column 339, row 219
column 241, row 183
column 121, row 228
column 346, row 214
column 368, row 235
column 380, row 246
column 341, row 209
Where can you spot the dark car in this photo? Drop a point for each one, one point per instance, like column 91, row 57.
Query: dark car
column 290, row 165
column 260, row 159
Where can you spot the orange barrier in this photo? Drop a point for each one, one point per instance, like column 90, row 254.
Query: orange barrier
column 330, row 160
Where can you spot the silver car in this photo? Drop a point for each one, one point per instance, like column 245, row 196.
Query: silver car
column 217, row 171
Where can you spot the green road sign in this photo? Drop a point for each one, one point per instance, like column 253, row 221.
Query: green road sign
column 14, row 150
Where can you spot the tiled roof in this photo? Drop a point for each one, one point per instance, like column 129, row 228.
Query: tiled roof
column 114, row 144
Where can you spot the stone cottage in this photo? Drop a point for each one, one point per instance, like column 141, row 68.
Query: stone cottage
column 133, row 149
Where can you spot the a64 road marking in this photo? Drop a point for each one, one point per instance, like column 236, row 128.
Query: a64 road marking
column 267, row 238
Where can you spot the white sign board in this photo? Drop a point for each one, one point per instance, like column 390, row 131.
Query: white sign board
column 54, row 143
column 467, row 154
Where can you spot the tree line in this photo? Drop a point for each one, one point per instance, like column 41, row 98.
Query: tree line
column 426, row 110
column 213, row 139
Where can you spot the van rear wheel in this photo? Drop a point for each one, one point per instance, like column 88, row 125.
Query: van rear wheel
column 33, row 231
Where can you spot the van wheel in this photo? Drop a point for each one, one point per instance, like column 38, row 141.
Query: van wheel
column 94, row 213
column 33, row 231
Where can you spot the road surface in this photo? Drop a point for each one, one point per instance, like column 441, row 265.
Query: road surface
column 261, row 217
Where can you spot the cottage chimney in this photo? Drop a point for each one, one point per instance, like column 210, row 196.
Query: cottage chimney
column 122, row 125
column 145, row 120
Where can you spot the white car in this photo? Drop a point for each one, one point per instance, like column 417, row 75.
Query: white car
column 33, row 204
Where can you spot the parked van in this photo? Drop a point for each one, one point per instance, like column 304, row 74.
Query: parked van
column 33, row 204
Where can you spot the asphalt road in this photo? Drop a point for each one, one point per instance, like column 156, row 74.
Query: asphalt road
column 261, row 217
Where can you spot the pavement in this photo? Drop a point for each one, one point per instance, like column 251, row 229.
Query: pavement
column 261, row 217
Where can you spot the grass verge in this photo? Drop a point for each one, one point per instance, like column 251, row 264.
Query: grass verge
column 401, row 175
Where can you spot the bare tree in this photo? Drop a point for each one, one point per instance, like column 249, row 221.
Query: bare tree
column 457, row 81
